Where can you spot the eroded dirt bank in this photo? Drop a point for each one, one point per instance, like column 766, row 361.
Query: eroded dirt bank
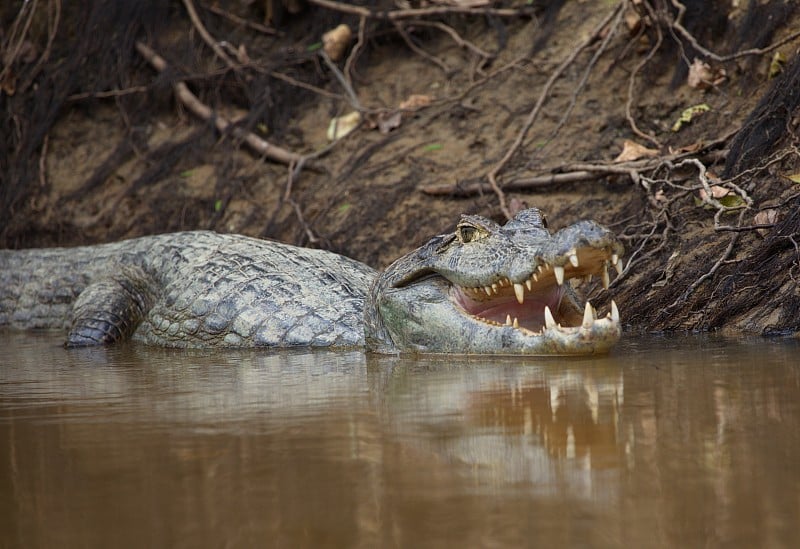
column 101, row 143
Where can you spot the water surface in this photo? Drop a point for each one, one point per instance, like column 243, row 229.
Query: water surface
column 668, row 441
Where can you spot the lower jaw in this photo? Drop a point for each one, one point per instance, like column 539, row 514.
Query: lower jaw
column 529, row 314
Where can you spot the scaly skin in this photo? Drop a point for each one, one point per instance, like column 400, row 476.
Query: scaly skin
column 199, row 289
column 202, row 289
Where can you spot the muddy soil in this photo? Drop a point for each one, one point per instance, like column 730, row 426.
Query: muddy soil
column 115, row 165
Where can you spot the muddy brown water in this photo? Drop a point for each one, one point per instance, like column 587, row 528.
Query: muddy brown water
column 668, row 441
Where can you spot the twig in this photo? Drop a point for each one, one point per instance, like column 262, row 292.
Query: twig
column 51, row 35
column 532, row 115
column 454, row 35
column 571, row 174
column 354, row 53
column 732, row 229
column 410, row 43
column 632, row 84
column 204, row 34
column 205, row 112
column 10, row 51
column 678, row 26
column 300, row 84
column 105, row 94
column 43, row 162
column 240, row 20
column 394, row 15
column 348, row 89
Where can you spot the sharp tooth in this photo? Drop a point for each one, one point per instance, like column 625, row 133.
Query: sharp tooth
column 516, row 322
column 573, row 258
column 619, row 266
column 519, row 289
column 614, row 312
column 559, row 272
column 549, row 321
column 535, row 277
column 588, row 317
column 588, row 278
column 604, row 277
column 529, row 284
column 488, row 290
column 508, row 320
column 494, row 288
column 614, row 258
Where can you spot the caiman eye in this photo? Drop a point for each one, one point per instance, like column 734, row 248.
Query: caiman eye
column 468, row 233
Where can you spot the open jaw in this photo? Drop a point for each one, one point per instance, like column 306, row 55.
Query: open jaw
column 541, row 304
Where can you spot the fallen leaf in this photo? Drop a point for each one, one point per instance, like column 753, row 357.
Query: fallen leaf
column 731, row 200
column 765, row 217
column 717, row 192
column 241, row 55
column 700, row 75
column 633, row 21
column 342, row 125
column 634, row 151
column 336, row 41
column 694, row 147
column 776, row 65
column 387, row 121
column 689, row 114
column 795, row 177
column 415, row 101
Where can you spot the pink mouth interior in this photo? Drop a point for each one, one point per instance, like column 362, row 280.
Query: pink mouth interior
column 530, row 314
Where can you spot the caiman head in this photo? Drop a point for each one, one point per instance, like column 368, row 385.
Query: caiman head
column 497, row 289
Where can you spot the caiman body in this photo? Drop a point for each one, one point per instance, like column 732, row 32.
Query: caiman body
column 484, row 288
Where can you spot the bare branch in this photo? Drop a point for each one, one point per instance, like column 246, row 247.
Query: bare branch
column 417, row 12
column 207, row 38
column 205, row 112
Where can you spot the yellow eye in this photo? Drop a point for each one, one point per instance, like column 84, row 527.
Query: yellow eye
column 467, row 233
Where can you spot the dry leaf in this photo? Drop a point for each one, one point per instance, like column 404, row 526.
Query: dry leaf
column 776, row 65
column 700, row 75
column 795, row 177
column 688, row 114
column 241, row 55
column 633, row 21
column 634, row 151
column 387, row 121
column 717, row 192
column 415, row 101
column 765, row 217
column 342, row 125
column 335, row 41
column 694, row 147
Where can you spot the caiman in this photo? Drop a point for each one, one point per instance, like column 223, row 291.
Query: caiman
column 484, row 288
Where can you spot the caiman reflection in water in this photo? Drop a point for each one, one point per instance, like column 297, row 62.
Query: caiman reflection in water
column 685, row 444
